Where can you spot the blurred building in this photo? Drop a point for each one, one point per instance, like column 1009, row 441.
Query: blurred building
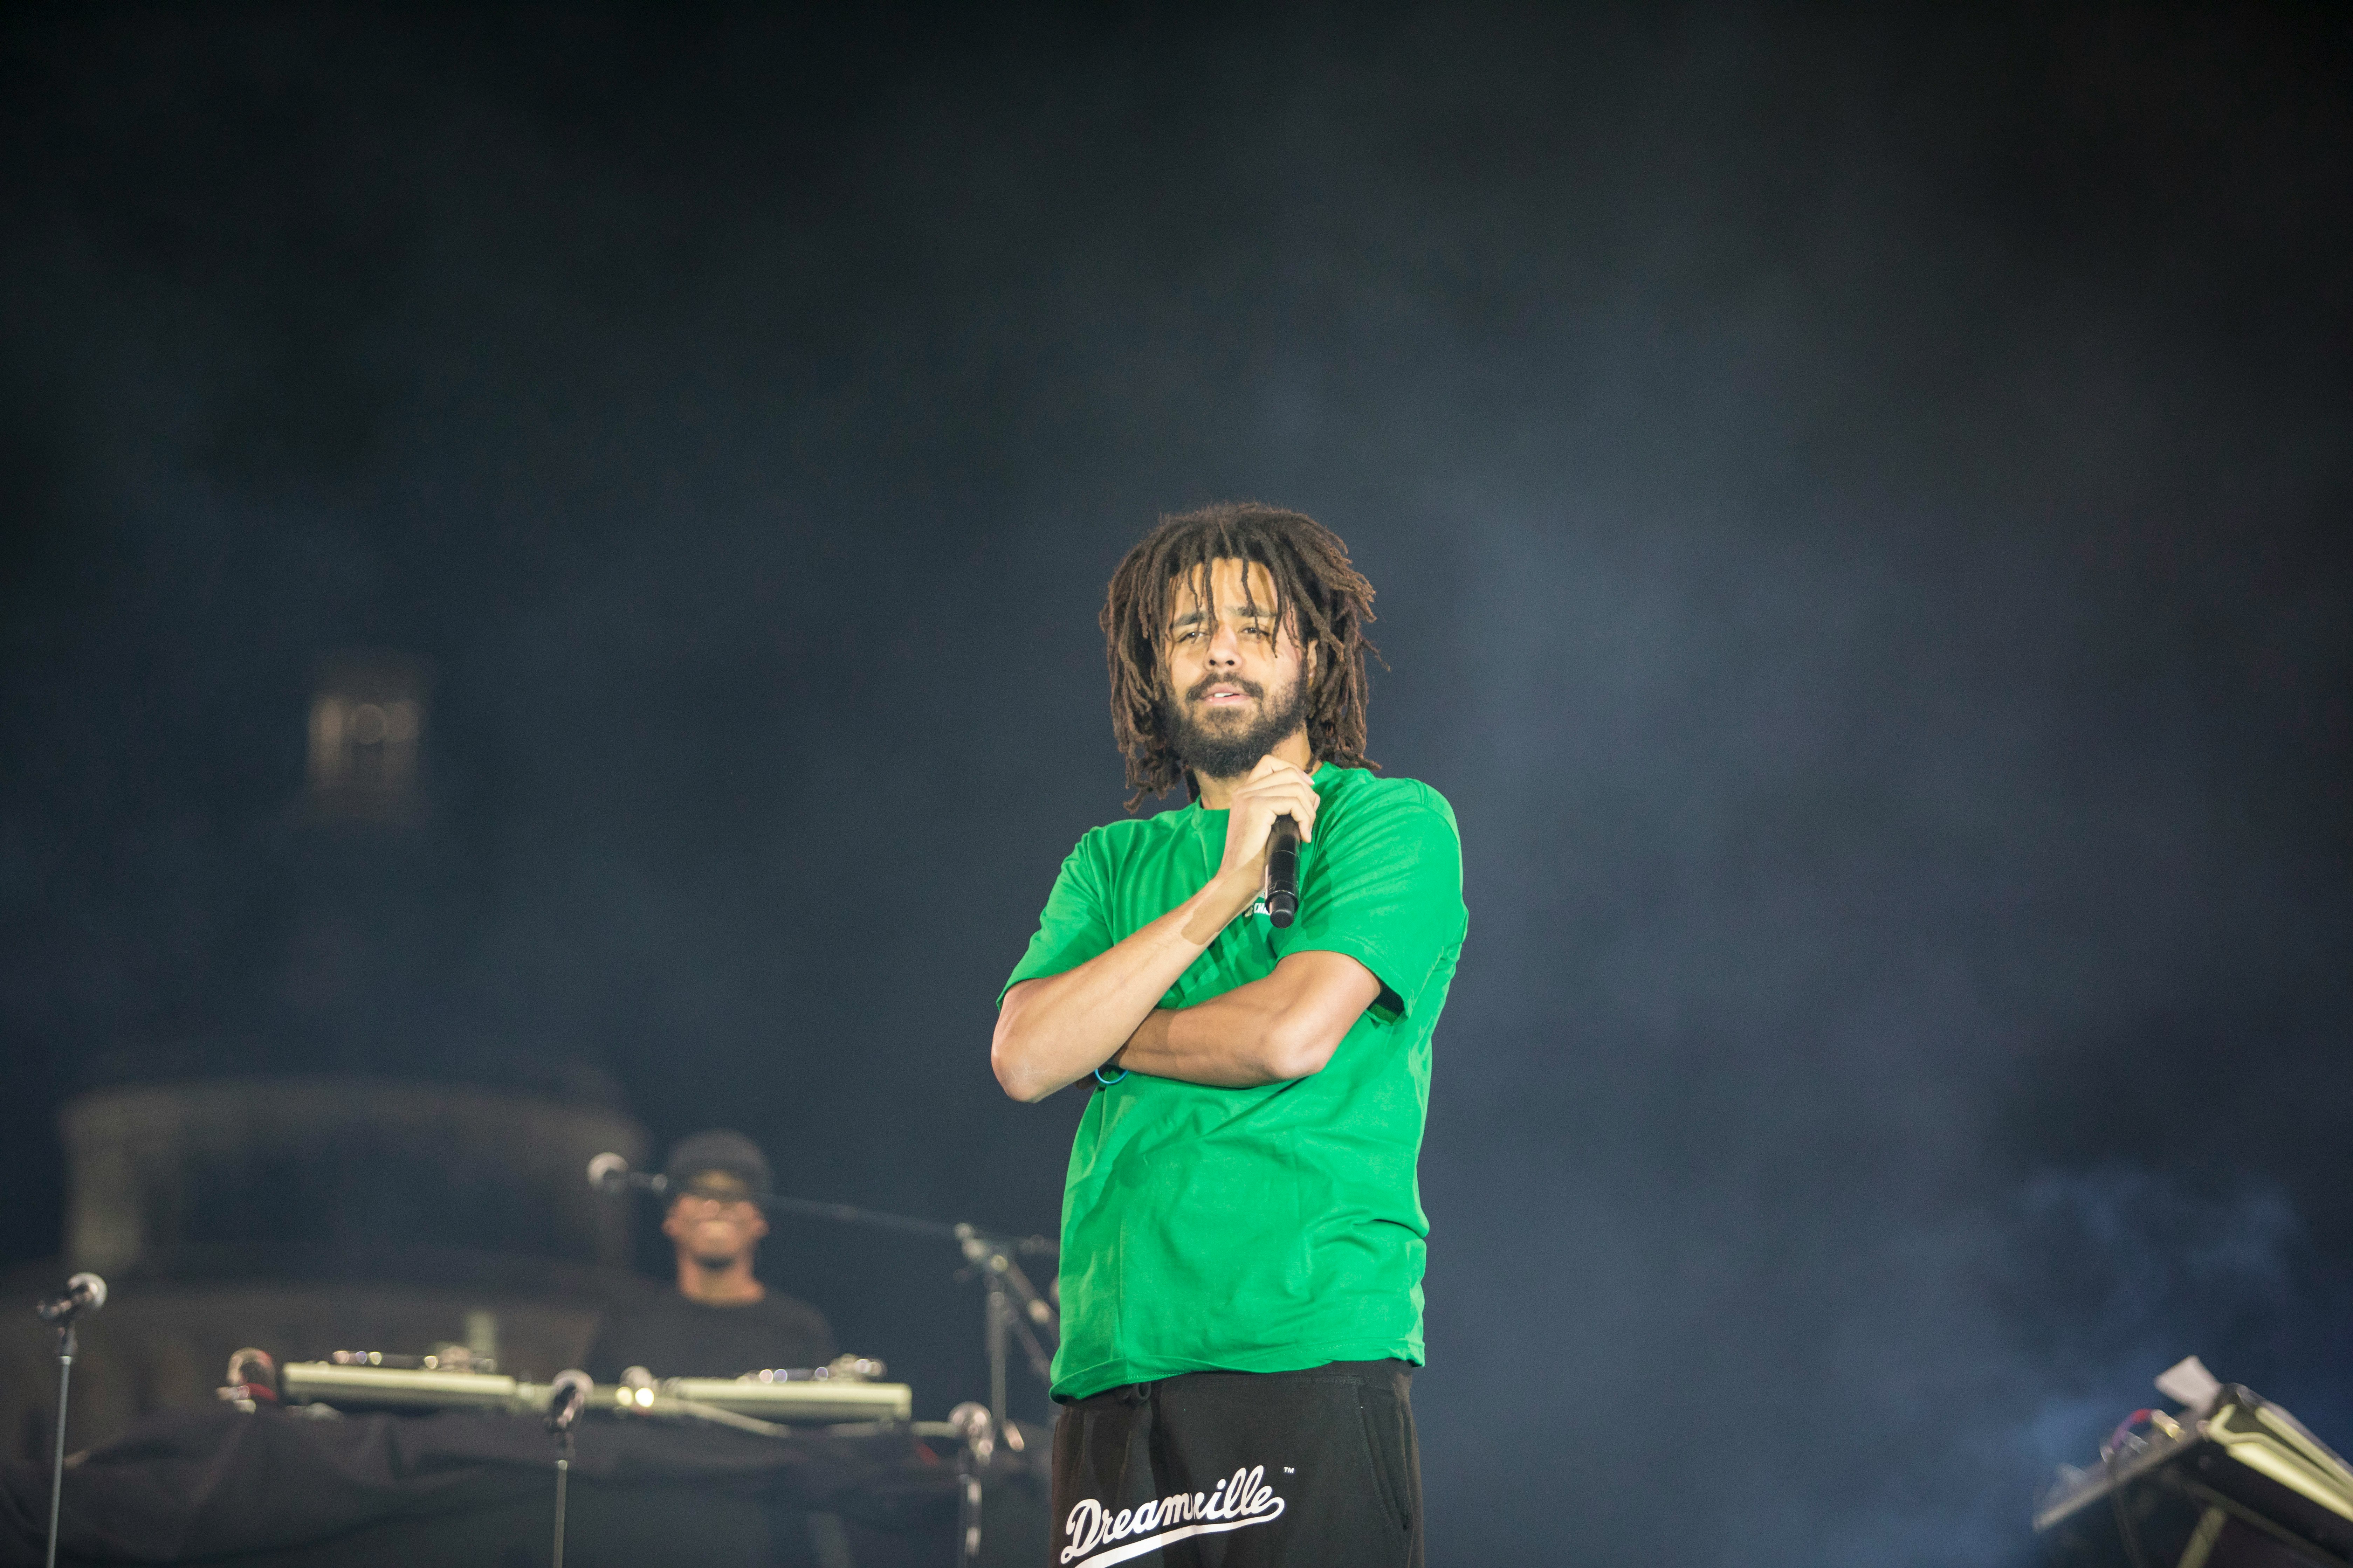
column 367, row 726
column 352, row 1169
column 307, row 1215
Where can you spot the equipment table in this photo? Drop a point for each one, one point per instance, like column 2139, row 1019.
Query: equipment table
column 461, row 1488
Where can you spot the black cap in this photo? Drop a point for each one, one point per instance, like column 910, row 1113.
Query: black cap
column 716, row 1149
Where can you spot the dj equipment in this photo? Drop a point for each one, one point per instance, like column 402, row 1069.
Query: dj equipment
column 787, row 1398
column 2234, row 1482
column 1283, row 872
column 84, row 1293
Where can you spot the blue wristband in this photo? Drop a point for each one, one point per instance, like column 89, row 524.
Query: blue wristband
column 1107, row 1083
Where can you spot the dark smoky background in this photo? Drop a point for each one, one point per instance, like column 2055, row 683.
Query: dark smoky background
column 1858, row 510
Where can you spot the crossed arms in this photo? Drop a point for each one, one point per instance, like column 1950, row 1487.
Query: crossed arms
column 1054, row 1031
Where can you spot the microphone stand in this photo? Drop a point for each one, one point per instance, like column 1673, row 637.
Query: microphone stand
column 986, row 1253
column 990, row 1257
column 979, row 1433
column 67, row 1346
column 571, row 1399
column 562, row 1473
column 1001, row 1276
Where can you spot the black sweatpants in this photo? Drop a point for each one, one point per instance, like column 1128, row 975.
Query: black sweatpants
column 1234, row 1469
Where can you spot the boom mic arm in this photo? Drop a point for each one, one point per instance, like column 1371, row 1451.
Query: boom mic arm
column 611, row 1173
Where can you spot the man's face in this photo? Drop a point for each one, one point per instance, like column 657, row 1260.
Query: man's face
column 1235, row 682
column 713, row 1222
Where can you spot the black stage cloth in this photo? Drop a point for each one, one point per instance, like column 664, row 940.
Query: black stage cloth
column 234, row 1490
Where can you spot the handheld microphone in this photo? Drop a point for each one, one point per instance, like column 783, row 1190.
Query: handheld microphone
column 611, row 1173
column 1282, row 871
column 568, row 1397
column 83, row 1293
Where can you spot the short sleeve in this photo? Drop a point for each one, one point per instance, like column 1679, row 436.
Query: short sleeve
column 1075, row 924
column 1383, row 885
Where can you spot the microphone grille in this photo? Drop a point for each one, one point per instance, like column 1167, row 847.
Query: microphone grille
column 88, row 1284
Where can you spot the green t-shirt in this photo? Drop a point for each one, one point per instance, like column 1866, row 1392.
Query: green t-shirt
column 1280, row 1227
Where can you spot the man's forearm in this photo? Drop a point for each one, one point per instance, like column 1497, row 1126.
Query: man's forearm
column 1222, row 1043
column 1271, row 1030
column 1052, row 1032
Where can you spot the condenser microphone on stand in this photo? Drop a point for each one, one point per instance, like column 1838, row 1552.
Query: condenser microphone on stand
column 611, row 1173
column 83, row 1294
column 1282, row 871
column 567, row 1396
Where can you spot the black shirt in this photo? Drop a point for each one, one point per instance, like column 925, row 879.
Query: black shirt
column 671, row 1336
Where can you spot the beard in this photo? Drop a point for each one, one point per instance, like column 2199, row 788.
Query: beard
column 1227, row 743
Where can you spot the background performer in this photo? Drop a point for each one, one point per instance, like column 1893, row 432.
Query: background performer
column 721, row 1321
column 1242, row 1232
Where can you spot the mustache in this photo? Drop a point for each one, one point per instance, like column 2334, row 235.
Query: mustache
column 1201, row 688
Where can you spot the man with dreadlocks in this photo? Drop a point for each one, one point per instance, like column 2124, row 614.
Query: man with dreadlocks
column 1243, row 1234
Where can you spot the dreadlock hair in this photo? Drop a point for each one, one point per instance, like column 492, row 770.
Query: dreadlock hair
column 1319, row 598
